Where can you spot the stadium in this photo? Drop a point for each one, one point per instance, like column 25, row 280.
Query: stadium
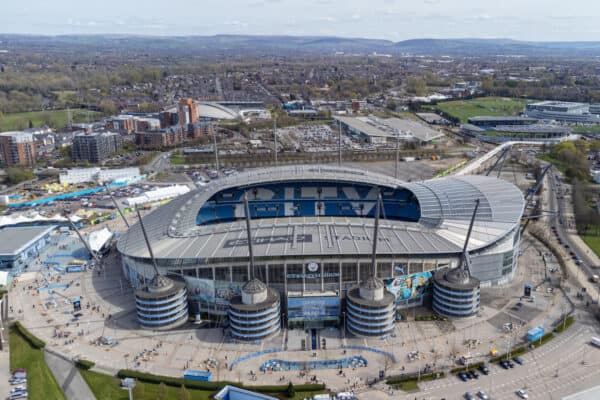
column 312, row 229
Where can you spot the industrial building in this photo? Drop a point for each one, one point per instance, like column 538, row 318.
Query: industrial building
column 498, row 129
column 312, row 231
column 18, row 244
column 562, row 111
column 95, row 147
column 17, row 149
column 74, row 176
column 384, row 131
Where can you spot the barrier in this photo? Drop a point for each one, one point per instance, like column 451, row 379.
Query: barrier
column 372, row 350
column 252, row 355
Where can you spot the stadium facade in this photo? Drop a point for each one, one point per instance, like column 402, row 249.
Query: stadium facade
column 311, row 233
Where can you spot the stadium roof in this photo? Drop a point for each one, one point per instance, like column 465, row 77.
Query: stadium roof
column 503, row 118
column 446, row 207
column 216, row 111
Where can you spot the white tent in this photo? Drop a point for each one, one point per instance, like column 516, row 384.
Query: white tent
column 158, row 195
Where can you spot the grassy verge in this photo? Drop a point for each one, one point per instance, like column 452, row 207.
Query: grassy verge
column 562, row 167
column 593, row 243
column 410, row 386
column 178, row 160
column 564, row 325
column 107, row 387
column 40, row 381
column 52, row 118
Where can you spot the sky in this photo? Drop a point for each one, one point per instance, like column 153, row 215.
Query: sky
column 538, row 20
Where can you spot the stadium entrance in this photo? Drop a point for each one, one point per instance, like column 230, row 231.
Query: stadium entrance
column 313, row 310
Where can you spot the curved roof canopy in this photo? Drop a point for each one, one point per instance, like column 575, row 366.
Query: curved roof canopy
column 445, row 204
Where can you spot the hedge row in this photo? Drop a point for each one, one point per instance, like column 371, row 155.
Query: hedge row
column 395, row 380
column 566, row 323
column 465, row 368
column 34, row 341
column 193, row 384
column 84, row 364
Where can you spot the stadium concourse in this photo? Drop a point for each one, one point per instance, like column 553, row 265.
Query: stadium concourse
column 312, row 231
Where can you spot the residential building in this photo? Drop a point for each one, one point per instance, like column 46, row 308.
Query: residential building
column 188, row 111
column 158, row 139
column 95, row 147
column 17, row 148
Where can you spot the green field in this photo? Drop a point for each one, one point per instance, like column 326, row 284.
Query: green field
column 40, row 381
column 54, row 119
column 493, row 106
column 587, row 129
column 107, row 387
column 593, row 243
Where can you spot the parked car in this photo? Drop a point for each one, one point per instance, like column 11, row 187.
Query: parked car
column 522, row 394
column 519, row 360
column 463, row 377
column 469, row 396
column 484, row 370
column 483, row 395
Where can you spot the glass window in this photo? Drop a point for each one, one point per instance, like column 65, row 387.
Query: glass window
column 416, row 267
column 190, row 272
column 240, row 273
column 294, row 274
column 205, row 273
column 429, row 266
column 222, row 274
column 384, row 270
column 400, row 269
column 260, row 272
column 366, row 271
column 332, row 272
column 276, row 273
column 349, row 272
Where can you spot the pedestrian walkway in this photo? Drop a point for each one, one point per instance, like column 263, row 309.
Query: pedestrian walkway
column 68, row 378
column 4, row 371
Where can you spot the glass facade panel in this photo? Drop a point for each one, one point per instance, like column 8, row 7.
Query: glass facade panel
column 366, row 271
column 205, row 273
column 349, row 272
column 384, row 270
column 222, row 274
column 276, row 273
column 240, row 273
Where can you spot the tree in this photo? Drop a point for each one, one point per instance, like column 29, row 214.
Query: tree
column 108, row 107
column 416, row 86
column 16, row 175
column 290, row 391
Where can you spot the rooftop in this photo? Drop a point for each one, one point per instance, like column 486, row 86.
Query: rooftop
column 446, row 206
column 13, row 240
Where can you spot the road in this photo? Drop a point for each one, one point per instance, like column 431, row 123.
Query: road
column 559, row 220
column 549, row 372
column 160, row 163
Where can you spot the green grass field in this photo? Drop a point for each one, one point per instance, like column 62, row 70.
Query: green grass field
column 106, row 387
column 494, row 106
column 53, row 118
column 587, row 129
column 40, row 381
column 593, row 243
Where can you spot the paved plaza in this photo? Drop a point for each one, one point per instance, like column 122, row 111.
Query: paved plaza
column 107, row 332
